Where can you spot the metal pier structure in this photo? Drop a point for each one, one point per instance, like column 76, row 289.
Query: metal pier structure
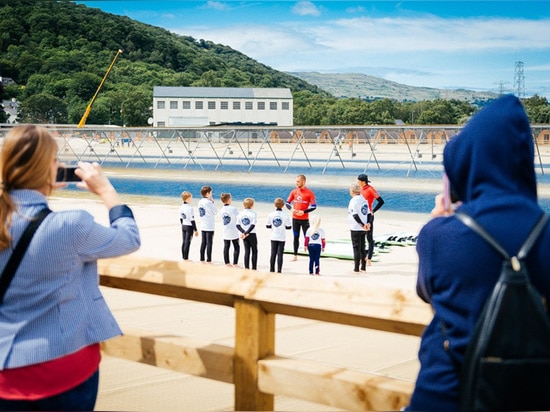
column 327, row 149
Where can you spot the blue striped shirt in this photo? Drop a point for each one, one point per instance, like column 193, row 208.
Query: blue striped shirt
column 54, row 306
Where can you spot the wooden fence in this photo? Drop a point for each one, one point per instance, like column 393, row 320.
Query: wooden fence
column 252, row 365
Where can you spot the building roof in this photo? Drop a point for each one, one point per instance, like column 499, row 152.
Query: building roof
column 222, row 92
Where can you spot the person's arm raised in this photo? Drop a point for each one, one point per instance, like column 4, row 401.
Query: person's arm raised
column 94, row 181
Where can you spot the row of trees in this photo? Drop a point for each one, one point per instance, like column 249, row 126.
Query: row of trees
column 132, row 108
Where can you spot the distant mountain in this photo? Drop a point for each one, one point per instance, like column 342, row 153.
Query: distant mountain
column 370, row 87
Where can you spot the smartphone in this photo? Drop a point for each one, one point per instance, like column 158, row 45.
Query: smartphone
column 446, row 193
column 67, row 174
column 449, row 195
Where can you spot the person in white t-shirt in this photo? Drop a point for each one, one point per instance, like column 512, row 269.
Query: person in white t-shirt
column 188, row 224
column 246, row 224
column 358, row 219
column 279, row 222
column 315, row 243
column 229, row 215
column 207, row 214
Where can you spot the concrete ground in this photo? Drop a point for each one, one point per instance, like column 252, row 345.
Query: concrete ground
column 130, row 386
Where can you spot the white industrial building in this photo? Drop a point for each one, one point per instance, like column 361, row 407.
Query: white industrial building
column 208, row 106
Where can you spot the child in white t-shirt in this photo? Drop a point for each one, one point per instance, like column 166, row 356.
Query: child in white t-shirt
column 229, row 215
column 315, row 244
column 279, row 222
column 207, row 214
column 246, row 224
column 188, row 224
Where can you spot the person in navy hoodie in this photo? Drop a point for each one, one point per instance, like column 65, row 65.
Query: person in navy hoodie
column 490, row 167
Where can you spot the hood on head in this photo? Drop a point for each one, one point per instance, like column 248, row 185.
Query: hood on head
column 493, row 154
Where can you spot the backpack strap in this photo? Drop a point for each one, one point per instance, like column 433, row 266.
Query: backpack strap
column 535, row 232
column 525, row 248
column 20, row 249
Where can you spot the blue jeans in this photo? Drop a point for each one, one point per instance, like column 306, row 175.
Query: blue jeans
column 79, row 398
column 314, row 258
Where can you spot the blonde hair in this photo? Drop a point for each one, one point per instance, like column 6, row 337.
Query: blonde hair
column 248, row 203
column 355, row 188
column 25, row 163
column 186, row 195
column 315, row 223
column 279, row 203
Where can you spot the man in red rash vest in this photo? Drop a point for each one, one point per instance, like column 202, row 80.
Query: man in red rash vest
column 370, row 194
column 301, row 201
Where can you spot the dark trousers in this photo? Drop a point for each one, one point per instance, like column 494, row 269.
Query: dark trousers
column 359, row 252
column 298, row 224
column 207, row 238
column 277, row 249
column 79, row 398
column 236, row 250
column 250, row 251
column 370, row 238
column 314, row 258
column 187, row 236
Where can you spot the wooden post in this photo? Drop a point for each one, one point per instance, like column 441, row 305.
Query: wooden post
column 254, row 340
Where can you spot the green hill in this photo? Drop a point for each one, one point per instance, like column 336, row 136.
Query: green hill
column 369, row 87
column 60, row 51
column 57, row 52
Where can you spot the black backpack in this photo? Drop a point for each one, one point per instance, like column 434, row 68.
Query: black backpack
column 507, row 362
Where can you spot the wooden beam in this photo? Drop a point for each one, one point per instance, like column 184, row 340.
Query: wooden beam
column 166, row 278
column 254, row 340
column 345, row 301
column 333, row 386
column 176, row 353
column 314, row 382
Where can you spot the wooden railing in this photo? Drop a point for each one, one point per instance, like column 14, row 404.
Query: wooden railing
column 252, row 365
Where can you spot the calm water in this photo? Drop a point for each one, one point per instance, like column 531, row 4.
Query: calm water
column 409, row 201
column 398, row 201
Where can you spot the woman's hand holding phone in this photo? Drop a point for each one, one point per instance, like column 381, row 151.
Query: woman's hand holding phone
column 96, row 182
column 444, row 205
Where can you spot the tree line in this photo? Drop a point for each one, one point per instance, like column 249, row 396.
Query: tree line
column 57, row 53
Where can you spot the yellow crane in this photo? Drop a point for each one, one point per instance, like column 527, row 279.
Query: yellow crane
column 89, row 107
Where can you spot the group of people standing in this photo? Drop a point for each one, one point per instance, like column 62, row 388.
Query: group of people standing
column 301, row 203
column 235, row 225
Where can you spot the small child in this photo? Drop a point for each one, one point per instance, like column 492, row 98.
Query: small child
column 229, row 215
column 188, row 224
column 246, row 224
column 315, row 244
column 278, row 221
column 207, row 213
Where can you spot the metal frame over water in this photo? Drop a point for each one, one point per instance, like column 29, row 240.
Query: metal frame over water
column 327, row 149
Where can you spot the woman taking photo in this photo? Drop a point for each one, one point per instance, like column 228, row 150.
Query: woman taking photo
column 53, row 315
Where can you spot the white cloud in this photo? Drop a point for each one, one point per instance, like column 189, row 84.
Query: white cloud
column 429, row 51
column 387, row 35
column 217, row 5
column 306, row 8
column 434, row 34
column 356, row 9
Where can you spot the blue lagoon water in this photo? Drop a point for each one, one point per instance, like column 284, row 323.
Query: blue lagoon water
column 330, row 197
column 411, row 201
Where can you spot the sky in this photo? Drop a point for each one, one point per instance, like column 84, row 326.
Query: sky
column 476, row 45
